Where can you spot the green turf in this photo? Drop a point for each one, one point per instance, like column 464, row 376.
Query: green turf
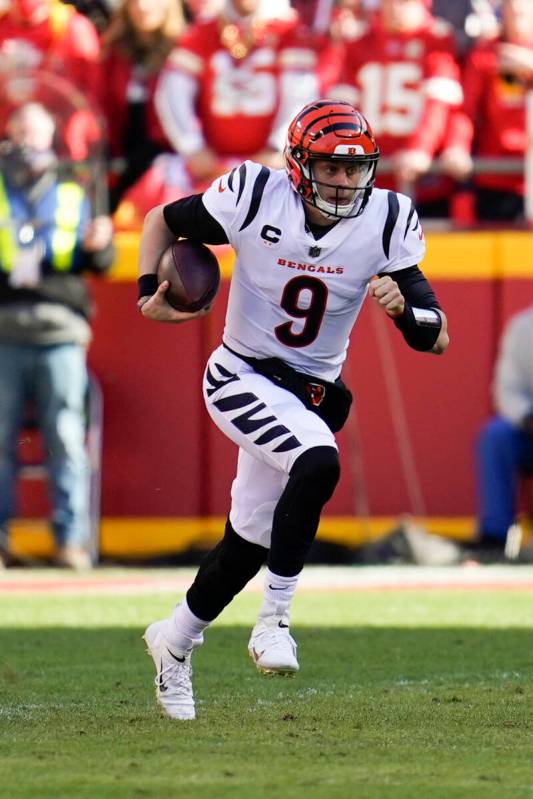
column 400, row 695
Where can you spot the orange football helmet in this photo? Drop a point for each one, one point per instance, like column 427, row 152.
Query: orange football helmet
column 331, row 130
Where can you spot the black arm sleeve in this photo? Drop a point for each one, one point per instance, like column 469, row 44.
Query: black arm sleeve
column 188, row 218
column 418, row 294
column 414, row 287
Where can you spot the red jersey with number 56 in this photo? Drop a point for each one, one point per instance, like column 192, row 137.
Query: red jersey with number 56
column 404, row 84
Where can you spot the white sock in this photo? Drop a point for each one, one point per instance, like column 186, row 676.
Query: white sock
column 184, row 629
column 277, row 595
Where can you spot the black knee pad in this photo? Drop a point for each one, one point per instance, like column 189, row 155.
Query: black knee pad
column 311, row 483
column 319, row 469
column 223, row 573
column 238, row 554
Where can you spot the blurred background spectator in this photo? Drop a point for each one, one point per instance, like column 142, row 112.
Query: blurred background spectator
column 196, row 10
column 505, row 445
column 228, row 90
column 492, row 121
column 321, row 15
column 402, row 73
column 136, row 44
column 40, row 38
column 48, row 35
column 98, row 11
column 348, row 18
column 471, row 20
column 47, row 238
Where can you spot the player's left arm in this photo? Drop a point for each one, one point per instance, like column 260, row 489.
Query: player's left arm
column 401, row 289
column 408, row 299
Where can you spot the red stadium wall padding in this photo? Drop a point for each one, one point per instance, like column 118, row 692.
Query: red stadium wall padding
column 164, row 457
column 150, row 376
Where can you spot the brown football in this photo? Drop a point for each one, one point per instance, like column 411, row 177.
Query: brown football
column 193, row 274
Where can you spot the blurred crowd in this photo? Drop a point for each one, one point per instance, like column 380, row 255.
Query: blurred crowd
column 152, row 99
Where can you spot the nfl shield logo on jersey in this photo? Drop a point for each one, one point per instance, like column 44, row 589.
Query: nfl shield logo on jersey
column 314, row 252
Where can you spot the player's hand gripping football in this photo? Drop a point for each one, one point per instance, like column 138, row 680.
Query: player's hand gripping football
column 386, row 293
column 158, row 309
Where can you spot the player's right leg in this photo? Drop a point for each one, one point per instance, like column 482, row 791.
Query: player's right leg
column 222, row 574
column 173, row 681
column 288, row 468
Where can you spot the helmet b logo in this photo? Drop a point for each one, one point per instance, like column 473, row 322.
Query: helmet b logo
column 352, row 151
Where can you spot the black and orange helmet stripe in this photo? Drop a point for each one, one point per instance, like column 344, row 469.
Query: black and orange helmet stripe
column 309, row 109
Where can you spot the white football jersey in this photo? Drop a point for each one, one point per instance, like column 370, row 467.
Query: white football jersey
column 292, row 296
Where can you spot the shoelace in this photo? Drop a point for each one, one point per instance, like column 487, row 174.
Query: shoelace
column 276, row 635
column 176, row 675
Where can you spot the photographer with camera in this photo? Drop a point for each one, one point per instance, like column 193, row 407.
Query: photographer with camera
column 47, row 239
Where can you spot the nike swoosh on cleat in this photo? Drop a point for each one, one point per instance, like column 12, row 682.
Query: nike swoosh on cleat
column 283, row 626
column 180, row 660
column 278, row 588
column 161, row 685
column 256, row 654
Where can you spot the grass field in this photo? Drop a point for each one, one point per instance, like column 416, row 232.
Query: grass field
column 401, row 694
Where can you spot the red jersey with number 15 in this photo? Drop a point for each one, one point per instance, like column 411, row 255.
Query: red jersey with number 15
column 405, row 84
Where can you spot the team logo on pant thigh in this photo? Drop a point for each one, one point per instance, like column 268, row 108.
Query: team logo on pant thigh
column 316, row 393
column 227, row 377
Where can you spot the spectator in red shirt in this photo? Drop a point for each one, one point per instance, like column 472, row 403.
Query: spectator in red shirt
column 348, row 18
column 492, row 121
column 51, row 36
column 213, row 86
column 201, row 9
column 230, row 87
column 403, row 75
column 43, row 37
column 136, row 43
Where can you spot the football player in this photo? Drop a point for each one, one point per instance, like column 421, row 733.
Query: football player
column 311, row 241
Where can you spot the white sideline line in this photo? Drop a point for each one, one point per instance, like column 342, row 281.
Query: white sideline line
column 313, row 578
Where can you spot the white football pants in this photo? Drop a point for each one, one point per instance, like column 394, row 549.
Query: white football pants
column 272, row 429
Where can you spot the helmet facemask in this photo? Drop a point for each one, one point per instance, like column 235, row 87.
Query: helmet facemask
column 349, row 199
